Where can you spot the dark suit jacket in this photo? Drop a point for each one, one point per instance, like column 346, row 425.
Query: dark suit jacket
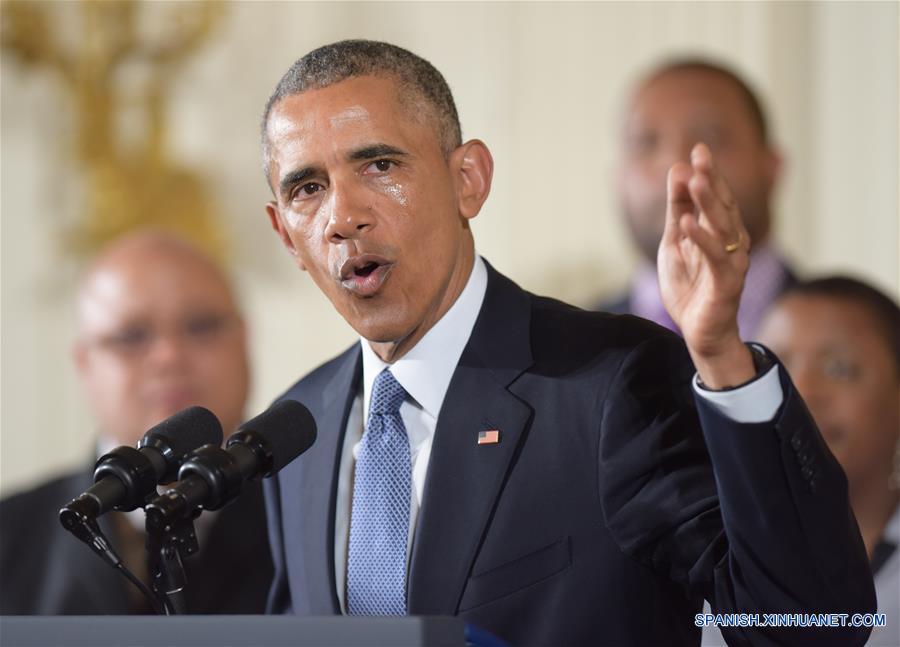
column 600, row 518
column 45, row 570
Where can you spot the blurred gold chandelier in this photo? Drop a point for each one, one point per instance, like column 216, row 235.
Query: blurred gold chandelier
column 126, row 183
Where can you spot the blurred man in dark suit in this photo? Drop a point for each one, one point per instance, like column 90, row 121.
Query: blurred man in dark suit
column 670, row 110
column 158, row 329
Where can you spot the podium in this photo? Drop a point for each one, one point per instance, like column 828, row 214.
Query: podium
column 231, row 631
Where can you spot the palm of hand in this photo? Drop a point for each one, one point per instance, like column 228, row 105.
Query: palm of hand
column 702, row 301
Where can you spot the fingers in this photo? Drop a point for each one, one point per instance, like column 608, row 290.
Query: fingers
column 719, row 213
column 679, row 200
column 709, row 244
column 701, row 205
column 719, row 184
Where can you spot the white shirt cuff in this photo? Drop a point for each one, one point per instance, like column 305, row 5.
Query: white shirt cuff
column 757, row 401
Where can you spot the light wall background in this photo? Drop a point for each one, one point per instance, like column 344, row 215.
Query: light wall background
column 541, row 83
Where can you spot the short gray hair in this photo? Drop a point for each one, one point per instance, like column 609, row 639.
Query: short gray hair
column 339, row 61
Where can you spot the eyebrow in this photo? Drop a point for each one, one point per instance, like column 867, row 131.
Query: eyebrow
column 376, row 150
column 294, row 178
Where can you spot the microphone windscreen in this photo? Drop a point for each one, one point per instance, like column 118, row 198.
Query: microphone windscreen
column 288, row 427
column 186, row 430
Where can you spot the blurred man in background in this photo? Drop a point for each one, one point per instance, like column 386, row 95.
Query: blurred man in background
column 671, row 109
column 158, row 329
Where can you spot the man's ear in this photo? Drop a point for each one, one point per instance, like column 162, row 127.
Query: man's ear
column 473, row 167
column 278, row 226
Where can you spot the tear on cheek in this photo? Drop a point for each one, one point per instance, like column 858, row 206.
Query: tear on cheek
column 396, row 192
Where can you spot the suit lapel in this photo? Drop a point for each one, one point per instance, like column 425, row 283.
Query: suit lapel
column 465, row 479
column 313, row 519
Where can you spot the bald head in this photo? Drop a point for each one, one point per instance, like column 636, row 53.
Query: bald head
column 158, row 329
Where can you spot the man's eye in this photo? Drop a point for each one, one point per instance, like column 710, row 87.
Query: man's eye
column 379, row 166
column 643, row 143
column 127, row 340
column 307, row 190
column 841, row 369
column 205, row 326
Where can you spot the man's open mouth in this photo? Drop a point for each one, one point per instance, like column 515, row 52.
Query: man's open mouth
column 364, row 275
column 366, row 269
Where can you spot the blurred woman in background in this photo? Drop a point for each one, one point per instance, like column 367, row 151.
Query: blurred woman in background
column 839, row 339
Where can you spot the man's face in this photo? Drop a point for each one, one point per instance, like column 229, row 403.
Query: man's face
column 667, row 116
column 845, row 371
column 159, row 332
column 369, row 205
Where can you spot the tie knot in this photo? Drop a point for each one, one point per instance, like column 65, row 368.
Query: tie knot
column 387, row 394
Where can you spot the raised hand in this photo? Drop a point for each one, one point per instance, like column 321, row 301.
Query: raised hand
column 702, row 261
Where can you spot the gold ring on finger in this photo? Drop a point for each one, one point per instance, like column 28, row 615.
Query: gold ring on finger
column 731, row 247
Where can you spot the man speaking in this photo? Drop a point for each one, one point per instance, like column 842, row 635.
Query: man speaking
column 554, row 476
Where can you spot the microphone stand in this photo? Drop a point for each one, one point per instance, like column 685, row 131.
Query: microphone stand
column 167, row 543
column 85, row 527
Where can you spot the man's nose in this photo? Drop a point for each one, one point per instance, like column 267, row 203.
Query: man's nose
column 675, row 149
column 351, row 212
column 168, row 349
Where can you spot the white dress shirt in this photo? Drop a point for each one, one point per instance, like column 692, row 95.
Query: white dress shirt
column 425, row 372
column 757, row 401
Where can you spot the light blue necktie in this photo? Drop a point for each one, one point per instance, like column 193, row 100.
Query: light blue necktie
column 379, row 519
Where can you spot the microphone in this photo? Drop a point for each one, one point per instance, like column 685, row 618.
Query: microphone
column 125, row 477
column 211, row 476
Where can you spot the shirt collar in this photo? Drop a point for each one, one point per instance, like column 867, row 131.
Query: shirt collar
column 425, row 371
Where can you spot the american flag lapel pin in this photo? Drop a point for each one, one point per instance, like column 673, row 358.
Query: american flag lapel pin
column 489, row 437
